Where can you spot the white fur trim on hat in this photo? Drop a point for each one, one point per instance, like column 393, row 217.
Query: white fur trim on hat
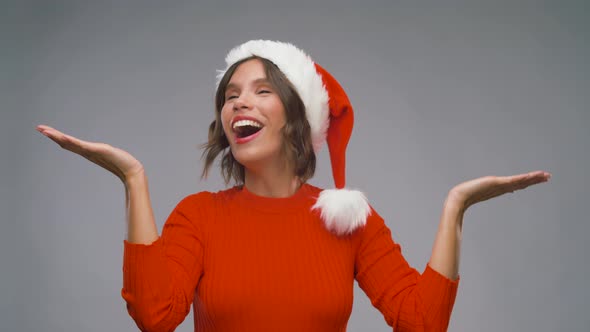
column 343, row 210
column 300, row 71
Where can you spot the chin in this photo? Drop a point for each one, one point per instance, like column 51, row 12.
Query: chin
column 251, row 157
column 246, row 158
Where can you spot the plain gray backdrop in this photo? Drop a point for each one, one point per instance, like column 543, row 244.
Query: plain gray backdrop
column 443, row 92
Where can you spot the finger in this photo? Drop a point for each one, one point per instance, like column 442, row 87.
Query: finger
column 539, row 174
column 534, row 180
column 41, row 128
column 53, row 134
column 530, row 179
column 57, row 135
column 75, row 143
column 505, row 184
column 537, row 177
column 516, row 178
column 48, row 130
column 66, row 141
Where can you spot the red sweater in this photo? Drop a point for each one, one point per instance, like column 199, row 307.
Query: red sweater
column 251, row 263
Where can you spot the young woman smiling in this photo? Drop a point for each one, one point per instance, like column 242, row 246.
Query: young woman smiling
column 274, row 253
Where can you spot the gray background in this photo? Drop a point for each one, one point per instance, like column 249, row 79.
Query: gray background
column 443, row 93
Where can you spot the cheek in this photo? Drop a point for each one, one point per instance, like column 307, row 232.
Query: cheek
column 225, row 117
column 278, row 112
column 283, row 119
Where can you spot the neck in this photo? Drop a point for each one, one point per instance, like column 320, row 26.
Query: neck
column 272, row 183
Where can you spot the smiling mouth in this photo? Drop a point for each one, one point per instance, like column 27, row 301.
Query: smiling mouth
column 246, row 128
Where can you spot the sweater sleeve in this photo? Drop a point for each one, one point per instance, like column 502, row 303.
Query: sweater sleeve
column 159, row 279
column 408, row 300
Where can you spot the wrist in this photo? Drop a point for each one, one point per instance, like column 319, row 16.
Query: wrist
column 136, row 179
column 456, row 202
column 452, row 214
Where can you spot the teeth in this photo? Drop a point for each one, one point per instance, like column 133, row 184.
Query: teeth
column 242, row 123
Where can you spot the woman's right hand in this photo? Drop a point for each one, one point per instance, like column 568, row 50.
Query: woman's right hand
column 115, row 160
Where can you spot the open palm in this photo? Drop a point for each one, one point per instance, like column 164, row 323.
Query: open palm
column 484, row 188
column 115, row 160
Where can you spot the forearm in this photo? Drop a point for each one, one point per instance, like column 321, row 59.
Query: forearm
column 141, row 225
column 447, row 244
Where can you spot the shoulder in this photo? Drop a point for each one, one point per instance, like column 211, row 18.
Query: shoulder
column 373, row 227
column 206, row 200
column 312, row 190
column 375, row 223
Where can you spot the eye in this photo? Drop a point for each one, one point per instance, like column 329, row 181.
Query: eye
column 231, row 97
column 263, row 91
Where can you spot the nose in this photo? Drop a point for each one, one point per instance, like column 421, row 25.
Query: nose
column 242, row 102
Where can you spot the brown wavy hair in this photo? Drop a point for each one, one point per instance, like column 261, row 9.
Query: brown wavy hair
column 297, row 146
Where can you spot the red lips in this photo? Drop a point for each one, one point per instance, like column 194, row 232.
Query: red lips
column 248, row 132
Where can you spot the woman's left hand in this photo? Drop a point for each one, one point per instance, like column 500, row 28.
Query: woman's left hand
column 484, row 188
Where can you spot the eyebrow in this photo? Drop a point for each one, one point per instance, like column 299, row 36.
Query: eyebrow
column 262, row 80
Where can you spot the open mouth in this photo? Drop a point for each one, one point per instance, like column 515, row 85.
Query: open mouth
column 246, row 128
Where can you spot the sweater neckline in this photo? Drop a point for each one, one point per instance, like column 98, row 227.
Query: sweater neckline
column 301, row 198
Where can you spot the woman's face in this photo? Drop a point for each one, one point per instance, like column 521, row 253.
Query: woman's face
column 253, row 116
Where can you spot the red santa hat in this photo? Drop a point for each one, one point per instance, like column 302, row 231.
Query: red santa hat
column 330, row 117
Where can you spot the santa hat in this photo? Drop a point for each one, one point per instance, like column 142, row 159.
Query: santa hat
column 330, row 117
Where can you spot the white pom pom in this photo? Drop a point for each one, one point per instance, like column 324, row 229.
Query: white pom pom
column 343, row 210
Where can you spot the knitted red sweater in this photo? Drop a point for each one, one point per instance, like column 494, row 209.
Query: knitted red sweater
column 251, row 263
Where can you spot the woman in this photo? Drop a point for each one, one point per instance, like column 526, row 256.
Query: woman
column 274, row 253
